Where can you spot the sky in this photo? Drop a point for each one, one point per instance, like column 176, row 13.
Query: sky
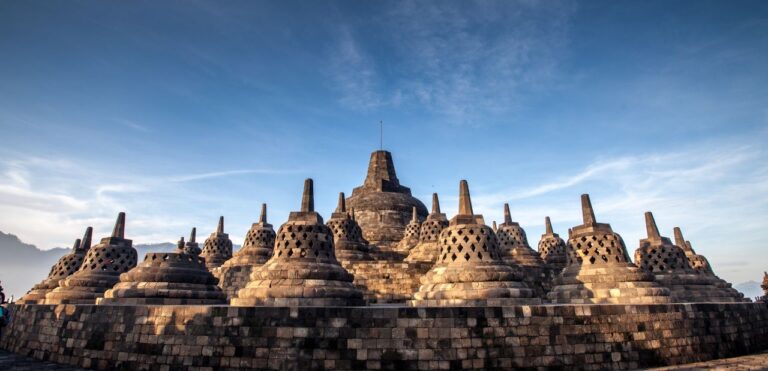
column 180, row 111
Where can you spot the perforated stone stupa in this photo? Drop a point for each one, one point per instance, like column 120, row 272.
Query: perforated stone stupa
column 383, row 206
column 552, row 247
column 411, row 235
column 700, row 264
column 66, row 266
column 100, row 270
column 599, row 269
column 670, row 267
column 427, row 249
column 175, row 278
column 303, row 269
column 235, row 273
column 347, row 235
column 513, row 243
column 217, row 248
column 469, row 270
column 192, row 247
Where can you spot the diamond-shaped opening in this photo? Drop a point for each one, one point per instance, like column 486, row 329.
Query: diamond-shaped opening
column 592, row 260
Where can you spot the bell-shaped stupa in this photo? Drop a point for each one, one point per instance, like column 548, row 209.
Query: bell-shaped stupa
column 100, row 270
column 192, row 247
column 383, row 206
column 552, row 247
column 303, row 270
column 671, row 268
column 347, row 235
column 257, row 249
column 599, row 269
column 176, row 278
column 217, row 248
column 66, row 266
column 701, row 265
column 514, row 243
column 427, row 249
column 411, row 235
column 469, row 269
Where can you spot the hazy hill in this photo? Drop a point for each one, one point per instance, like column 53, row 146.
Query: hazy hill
column 23, row 265
column 750, row 289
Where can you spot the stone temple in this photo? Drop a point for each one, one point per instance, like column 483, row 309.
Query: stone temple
column 383, row 285
column 383, row 206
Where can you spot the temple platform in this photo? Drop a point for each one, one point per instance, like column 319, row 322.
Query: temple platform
column 386, row 337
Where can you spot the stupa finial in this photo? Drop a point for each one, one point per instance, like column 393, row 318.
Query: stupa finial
column 85, row 244
column 679, row 240
column 76, row 245
column 494, row 226
column 587, row 213
column 193, row 235
column 263, row 215
column 414, row 215
column 548, row 225
column 220, row 227
column 119, row 230
column 308, row 197
column 507, row 214
column 341, row 207
column 180, row 245
column 435, row 204
column 465, row 202
column 650, row 226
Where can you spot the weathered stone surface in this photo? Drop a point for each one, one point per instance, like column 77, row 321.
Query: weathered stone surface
column 701, row 265
column 65, row 267
column 671, row 268
column 235, row 273
column 303, row 270
column 174, row 278
column 411, row 234
column 217, row 248
column 599, row 269
column 100, row 271
column 383, row 206
column 387, row 282
column 588, row 337
column 347, row 236
column 552, row 247
column 427, row 249
column 469, row 270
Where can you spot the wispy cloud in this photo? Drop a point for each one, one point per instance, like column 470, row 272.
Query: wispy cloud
column 218, row 174
column 448, row 59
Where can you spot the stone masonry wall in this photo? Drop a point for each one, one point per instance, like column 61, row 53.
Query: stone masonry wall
column 222, row 337
column 387, row 282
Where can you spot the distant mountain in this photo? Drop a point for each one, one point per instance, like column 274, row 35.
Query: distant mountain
column 750, row 289
column 23, row 265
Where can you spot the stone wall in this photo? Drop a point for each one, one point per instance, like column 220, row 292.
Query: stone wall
column 387, row 282
column 222, row 337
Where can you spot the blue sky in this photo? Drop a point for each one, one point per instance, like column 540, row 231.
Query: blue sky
column 178, row 112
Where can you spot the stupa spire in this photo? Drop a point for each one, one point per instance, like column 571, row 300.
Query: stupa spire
column 414, row 215
column 435, row 204
column 548, row 225
column 119, row 231
column 587, row 213
column 76, row 245
column 650, row 226
column 180, row 245
column 263, row 215
column 341, row 207
column 679, row 240
column 308, row 197
column 85, row 244
column 507, row 214
column 220, row 227
column 465, row 202
column 193, row 235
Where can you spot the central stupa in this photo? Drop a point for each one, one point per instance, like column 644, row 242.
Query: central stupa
column 382, row 206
